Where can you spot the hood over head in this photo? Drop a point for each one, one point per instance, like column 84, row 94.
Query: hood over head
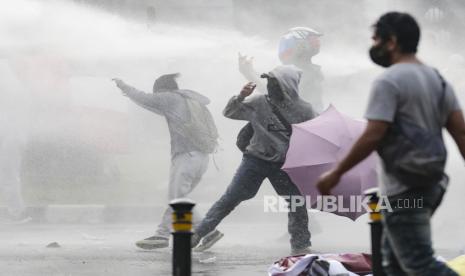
column 288, row 77
column 296, row 109
column 167, row 83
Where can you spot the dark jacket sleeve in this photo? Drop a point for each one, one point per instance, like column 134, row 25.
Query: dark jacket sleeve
column 240, row 109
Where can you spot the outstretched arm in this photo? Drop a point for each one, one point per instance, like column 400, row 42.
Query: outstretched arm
column 249, row 73
column 365, row 145
column 155, row 103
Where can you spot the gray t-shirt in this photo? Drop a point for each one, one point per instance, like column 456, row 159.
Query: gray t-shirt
column 409, row 92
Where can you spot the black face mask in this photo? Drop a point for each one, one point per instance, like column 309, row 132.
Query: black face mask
column 274, row 90
column 380, row 55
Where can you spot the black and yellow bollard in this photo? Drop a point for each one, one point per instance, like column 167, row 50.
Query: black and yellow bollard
column 182, row 232
column 376, row 231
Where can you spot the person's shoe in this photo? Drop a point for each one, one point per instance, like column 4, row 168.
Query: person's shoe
column 209, row 240
column 154, row 242
column 195, row 240
column 301, row 251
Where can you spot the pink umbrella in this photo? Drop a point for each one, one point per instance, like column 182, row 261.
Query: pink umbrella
column 316, row 146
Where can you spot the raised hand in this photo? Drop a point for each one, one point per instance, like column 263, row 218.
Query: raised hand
column 118, row 81
column 327, row 182
column 247, row 90
column 245, row 64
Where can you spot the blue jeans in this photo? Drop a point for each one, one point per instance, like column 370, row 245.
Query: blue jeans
column 407, row 248
column 245, row 185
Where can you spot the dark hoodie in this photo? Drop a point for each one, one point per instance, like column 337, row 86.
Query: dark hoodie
column 174, row 106
column 270, row 140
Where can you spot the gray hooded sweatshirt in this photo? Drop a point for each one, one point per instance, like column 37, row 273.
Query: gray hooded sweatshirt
column 174, row 107
column 270, row 140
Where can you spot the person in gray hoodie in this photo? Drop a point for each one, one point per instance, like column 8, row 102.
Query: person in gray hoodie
column 265, row 154
column 193, row 137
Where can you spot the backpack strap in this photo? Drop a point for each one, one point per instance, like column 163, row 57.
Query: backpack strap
column 280, row 116
column 443, row 91
column 443, row 86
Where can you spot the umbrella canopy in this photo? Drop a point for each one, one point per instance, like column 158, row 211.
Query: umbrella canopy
column 316, row 146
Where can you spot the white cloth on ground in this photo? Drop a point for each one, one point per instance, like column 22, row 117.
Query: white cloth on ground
column 335, row 268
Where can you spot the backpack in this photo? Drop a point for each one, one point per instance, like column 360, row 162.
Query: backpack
column 201, row 128
column 245, row 134
column 419, row 157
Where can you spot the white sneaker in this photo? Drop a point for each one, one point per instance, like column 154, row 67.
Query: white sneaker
column 209, row 240
column 154, row 242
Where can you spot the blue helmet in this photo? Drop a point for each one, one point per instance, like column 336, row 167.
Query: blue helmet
column 297, row 43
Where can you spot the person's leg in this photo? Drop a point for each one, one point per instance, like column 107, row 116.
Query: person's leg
column 202, row 160
column 408, row 232
column 297, row 218
column 390, row 264
column 185, row 174
column 245, row 185
column 164, row 227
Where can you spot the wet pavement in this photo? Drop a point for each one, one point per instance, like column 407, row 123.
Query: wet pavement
column 109, row 249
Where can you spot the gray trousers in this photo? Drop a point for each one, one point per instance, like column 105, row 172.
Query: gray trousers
column 186, row 172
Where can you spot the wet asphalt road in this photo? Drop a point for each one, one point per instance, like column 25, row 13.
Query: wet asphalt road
column 99, row 249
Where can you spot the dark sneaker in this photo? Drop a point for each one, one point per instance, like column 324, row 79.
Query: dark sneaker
column 209, row 240
column 301, row 251
column 153, row 242
column 195, row 240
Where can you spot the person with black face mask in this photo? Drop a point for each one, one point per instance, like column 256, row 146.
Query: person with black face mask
column 380, row 54
column 270, row 116
column 274, row 91
column 410, row 104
